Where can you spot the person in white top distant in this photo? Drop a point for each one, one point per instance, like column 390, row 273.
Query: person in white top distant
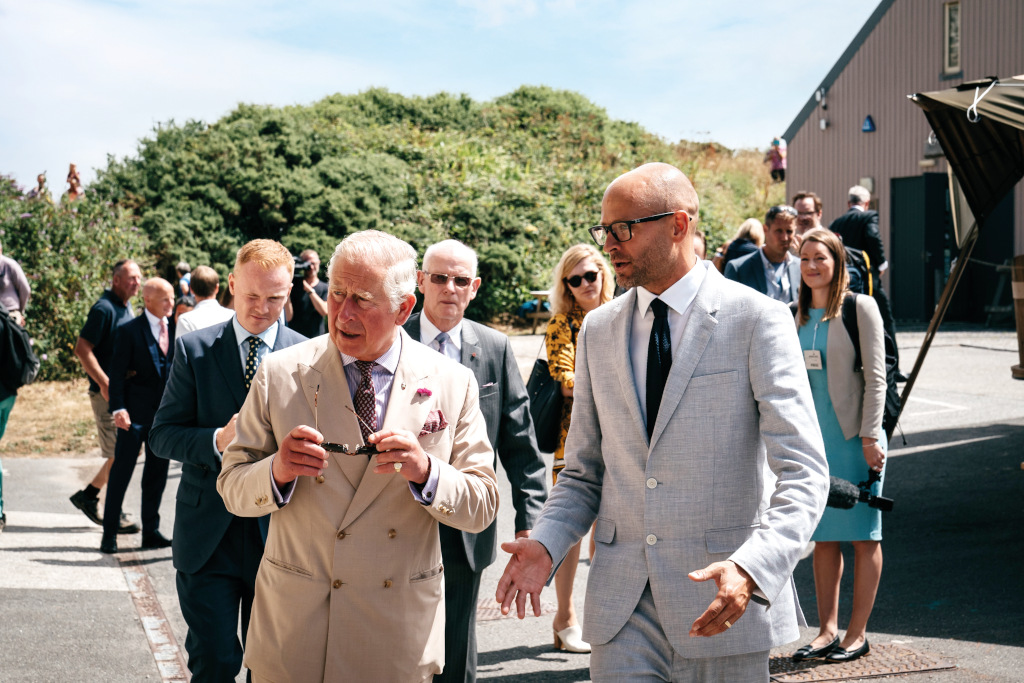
column 205, row 284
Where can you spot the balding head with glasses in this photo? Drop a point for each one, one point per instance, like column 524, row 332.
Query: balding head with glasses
column 647, row 226
column 448, row 282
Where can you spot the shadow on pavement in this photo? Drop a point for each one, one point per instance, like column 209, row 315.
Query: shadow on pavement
column 953, row 545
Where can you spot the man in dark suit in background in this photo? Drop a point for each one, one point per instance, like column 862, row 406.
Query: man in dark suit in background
column 448, row 282
column 138, row 374
column 217, row 554
column 772, row 269
column 859, row 229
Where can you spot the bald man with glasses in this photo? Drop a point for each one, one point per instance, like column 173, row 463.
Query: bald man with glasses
column 448, row 282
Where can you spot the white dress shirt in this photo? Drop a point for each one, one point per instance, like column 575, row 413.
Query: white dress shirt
column 452, row 347
column 679, row 299
column 206, row 314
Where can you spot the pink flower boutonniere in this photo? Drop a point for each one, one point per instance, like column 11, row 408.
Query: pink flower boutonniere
column 423, row 391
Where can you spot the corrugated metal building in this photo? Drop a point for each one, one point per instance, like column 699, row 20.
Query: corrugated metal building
column 859, row 124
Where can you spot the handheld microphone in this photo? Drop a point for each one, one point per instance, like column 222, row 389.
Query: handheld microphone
column 844, row 495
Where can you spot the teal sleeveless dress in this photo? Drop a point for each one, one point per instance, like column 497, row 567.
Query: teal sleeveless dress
column 845, row 456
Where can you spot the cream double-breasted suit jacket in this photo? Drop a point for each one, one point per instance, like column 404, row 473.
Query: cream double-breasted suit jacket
column 736, row 399
column 350, row 587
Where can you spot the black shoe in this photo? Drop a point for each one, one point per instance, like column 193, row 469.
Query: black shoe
column 108, row 545
column 808, row 652
column 901, row 378
column 127, row 525
column 89, row 506
column 842, row 655
column 155, row 541
column 3, row 521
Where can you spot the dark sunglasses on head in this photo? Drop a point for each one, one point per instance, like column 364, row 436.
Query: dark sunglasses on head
column 577, row 280
column 776, row 210
column 461, row 281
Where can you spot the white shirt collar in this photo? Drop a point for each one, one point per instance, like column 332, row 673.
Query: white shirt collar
column 679, row 296
column 429, row 332
column 387, row 360
column 267, row 336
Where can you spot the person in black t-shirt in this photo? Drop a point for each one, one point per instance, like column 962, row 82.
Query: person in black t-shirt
column 307, row 306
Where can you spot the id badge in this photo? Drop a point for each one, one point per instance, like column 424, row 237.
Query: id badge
column 812, row 359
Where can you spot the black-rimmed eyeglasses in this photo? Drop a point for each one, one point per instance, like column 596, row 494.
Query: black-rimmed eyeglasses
column 621, row 230
column 441, row 279
column 577, row 280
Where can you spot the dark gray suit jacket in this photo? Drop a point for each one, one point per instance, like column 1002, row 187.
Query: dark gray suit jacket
column 749, row 270
column 506, row 409
column 205, row 388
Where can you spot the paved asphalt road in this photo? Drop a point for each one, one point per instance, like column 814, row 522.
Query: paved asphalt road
column 952, row 585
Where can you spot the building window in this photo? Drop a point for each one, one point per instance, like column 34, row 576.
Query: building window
column 951, row 38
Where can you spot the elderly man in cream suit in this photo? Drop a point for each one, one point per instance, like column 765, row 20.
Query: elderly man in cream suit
column 686, row 386
column 351, row 585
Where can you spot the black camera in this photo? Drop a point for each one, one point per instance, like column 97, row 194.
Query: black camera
column 301, row 267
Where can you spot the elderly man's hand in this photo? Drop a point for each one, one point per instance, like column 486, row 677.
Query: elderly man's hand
column 525, row 574
column 400, row 449
column 122, row 420
column 734, row 590
column 299, row 455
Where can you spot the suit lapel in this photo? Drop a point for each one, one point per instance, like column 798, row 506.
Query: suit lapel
column 152, row 344
column 758, row 266
column 230, row 364
column 696, row 336
column 471, row 351
column 622, row 325
column 336, row 421
column 406, row 410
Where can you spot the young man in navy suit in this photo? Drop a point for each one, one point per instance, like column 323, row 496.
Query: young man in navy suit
column 217, row 554
column 138, row 373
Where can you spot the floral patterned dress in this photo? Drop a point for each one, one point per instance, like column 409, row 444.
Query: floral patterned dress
column 561, row 345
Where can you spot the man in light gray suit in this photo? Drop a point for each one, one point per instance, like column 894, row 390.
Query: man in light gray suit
column 448, row 283
column 686, row 387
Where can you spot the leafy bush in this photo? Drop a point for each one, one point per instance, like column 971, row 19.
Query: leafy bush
column 67, row 253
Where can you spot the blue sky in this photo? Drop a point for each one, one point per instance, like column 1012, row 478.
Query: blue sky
column 81, row 79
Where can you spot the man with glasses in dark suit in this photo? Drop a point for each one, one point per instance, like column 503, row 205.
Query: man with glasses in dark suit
column 448, row 283
column 772, row 269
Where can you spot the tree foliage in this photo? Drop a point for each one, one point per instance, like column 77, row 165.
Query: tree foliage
column 518, row 178
column 67, row 253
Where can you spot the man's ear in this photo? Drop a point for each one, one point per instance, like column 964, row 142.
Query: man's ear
column 419, row 280
column 231, row 283
column 405, row 309
column 474, row 288
column 681, row 224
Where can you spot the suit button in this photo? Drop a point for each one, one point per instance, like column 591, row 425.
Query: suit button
column 337, row 583
column 320, row 479
column 652, row 483
column 387, row 583
column 651, row 539
column 392, row 533
column 341, row 535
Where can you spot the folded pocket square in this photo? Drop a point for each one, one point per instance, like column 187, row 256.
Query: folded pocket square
column 435, row 422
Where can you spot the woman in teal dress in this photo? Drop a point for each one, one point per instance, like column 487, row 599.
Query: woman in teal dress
column 850, row 405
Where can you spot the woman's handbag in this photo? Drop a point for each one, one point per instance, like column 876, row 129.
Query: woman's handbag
column 545, row 406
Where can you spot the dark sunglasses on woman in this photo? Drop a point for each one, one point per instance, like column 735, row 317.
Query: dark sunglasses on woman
column 577, row 280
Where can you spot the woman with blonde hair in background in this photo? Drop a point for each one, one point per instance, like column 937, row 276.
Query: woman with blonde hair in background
column 850, row 403
column 748, row 239
column 582, row 282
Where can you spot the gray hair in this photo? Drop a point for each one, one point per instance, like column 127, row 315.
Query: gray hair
column 383, row 250
column 859, row 195
column 453, row 246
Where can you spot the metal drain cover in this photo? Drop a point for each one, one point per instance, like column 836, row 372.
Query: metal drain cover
column 883, row 660
column 488, row 610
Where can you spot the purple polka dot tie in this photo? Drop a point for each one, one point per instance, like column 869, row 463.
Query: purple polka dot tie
column 366, row 399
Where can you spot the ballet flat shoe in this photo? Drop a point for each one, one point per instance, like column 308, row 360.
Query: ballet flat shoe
column 808, row 652
column 571, row 640
column 844, row 655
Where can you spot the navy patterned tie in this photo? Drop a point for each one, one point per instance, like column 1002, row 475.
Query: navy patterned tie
column 659, row 361
column 441, row 340
column 366, row 399
column 252, row 361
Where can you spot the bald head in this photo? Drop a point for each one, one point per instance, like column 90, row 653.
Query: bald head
column 656, row 188
column 658, row 251
column 158, row 296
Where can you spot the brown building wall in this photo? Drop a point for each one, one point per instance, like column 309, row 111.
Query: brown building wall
column 902, row 56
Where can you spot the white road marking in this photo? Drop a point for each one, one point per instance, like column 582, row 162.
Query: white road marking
column 942, row 407
column 159, row 634
column 946, row 444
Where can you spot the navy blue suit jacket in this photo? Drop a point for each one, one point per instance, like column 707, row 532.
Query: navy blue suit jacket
column 138, row 371
column 749, row 270
column 205, row 388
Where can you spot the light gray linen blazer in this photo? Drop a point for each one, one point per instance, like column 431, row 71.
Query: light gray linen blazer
column 737, row 398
